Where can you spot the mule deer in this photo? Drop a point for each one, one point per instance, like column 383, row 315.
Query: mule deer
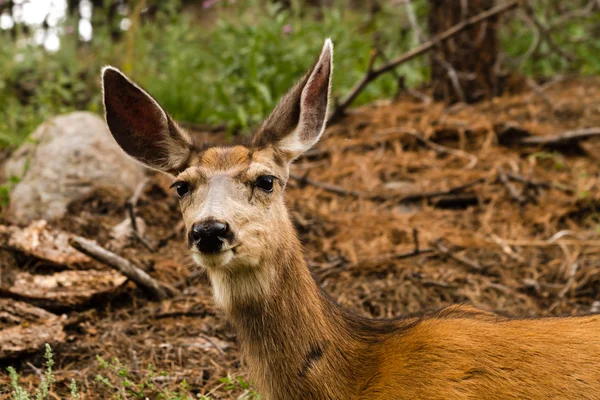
column 297, row 343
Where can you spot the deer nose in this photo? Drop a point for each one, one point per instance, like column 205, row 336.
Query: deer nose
column 209, row 236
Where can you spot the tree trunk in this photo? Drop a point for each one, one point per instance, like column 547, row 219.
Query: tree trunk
column 463, row 67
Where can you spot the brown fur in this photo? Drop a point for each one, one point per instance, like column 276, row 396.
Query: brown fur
column 296, row 342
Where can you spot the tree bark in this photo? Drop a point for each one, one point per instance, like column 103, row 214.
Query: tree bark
column 463, row 68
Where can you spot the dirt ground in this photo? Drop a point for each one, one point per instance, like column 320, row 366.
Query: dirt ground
column 503, row 225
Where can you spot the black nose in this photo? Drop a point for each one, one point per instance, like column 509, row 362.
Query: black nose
column 208, row 236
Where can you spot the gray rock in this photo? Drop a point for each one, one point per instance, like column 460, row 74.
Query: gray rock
column 66, row 158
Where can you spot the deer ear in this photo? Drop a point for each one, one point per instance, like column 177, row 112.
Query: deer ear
column 298, row 121
column 141, row 127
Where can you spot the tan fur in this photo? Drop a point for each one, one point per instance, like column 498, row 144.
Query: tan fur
column 296, row 342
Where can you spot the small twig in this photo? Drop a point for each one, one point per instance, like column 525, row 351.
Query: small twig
column 567, row 137
column 415, row 235
column 453, row 76
column 303, row 180
column 438, row 193
column 537, row 89
column 461, row 259
column 132, row 203
column 535, row 183
column 145, row 242
column 535, row 43
column 546, row 243
column 443, row 149
column 570, row 280
column 35, row 369
column 545, row 33
column 141, row 278
column 212, row 343
column 373, row 74
column 512, row 191
column 444, row 285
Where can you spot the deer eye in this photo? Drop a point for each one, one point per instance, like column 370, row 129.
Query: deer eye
column 265, row 182
column 181, row 187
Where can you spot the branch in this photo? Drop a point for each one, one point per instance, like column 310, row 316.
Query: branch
column 374, row 73
column 545, row 34
column 141, row 278
column 512, row 191
column 438, row 193
column 535, row 183
column 303, row 180
column 567, row 137
column 383, row 197
column 457, row 257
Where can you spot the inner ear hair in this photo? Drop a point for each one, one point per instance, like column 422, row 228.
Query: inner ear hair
column 140, row 125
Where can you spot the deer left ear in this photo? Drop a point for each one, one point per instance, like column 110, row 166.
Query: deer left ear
column 141, row 127
column 299, row 119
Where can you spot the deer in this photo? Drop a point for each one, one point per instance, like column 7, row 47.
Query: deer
column 295, row 341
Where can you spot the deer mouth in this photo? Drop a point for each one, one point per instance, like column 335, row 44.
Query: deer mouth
column 214, row 259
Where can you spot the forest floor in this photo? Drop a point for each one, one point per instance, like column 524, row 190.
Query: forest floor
column 508, row 226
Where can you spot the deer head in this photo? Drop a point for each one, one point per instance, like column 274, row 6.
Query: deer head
column 231, row 197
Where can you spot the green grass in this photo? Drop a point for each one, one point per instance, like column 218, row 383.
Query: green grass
column 233, row 72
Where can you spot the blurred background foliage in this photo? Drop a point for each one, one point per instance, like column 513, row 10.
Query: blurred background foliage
column 226, row 63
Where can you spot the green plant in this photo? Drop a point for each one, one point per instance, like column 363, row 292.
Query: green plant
column 232, row 383
column 5, row 189
column 117, row 378
column 231, row 70
column 556, row 157
column 43, row 389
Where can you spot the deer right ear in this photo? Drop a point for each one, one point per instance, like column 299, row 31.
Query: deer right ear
column 141, row 127
column 298, row 121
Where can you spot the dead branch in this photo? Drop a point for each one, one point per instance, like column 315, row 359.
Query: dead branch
column 400, row 256
column 141, row 278
column 374, row 73
column 568, row 137
column 512, row 191
column 538, row 90
column 457, row 257
column 303, row 180
column 132, row 203
column 438, row 193
column 438, row 148
column 535, row 183
column 545, row 33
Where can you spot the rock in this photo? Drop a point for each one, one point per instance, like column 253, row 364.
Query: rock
column 67, row 157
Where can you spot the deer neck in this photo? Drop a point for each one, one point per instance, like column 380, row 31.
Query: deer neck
column 293, row 339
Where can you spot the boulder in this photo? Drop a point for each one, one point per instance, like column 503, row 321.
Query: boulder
column 65, row 159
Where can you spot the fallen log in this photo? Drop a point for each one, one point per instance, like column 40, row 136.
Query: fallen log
column 26, row 329
column 65, row 289
column 50, row 246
